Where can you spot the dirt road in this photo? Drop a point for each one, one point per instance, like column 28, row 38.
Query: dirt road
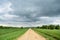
column 31, row 35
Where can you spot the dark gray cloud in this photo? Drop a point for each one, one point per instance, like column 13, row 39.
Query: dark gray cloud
column 36, row 11
column 43, row 6
column 33, row 9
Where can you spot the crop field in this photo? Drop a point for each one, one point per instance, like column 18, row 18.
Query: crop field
column 11, row 34
column 49, row 34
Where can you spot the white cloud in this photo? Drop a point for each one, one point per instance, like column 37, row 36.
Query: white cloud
column 44, row 17
column 1, row 10
column 7, row 17
column 5, row 8
column 56, row 21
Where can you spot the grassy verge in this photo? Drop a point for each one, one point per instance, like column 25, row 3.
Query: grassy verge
column 11, row 34
column 49, row 34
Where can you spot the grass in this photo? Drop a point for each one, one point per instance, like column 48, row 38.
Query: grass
column 11, row 34
column 49, row 34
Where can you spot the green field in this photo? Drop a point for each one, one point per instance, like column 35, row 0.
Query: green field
column 11, row 34
column 49, row 34
column 14, row 33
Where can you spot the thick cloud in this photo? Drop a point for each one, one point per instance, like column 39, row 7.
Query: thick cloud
column 29, row 12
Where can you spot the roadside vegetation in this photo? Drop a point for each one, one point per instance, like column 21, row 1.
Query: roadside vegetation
column 50, row 32
column 11, row 33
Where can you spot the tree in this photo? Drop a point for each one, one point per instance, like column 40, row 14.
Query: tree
column 38, row 26
column 44, row 27
column 21, row 27
column 57, row 27
column 1, row 26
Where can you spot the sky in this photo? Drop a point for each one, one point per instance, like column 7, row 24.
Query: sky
column 29, row 12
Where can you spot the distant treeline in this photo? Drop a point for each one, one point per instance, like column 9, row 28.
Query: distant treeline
column 6, row 27
column 40, row 27
column 49, row 27
column 11, row 27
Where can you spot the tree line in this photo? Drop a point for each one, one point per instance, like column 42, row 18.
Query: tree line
column 6, row 27
column 41, row 27
column 49, row 27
